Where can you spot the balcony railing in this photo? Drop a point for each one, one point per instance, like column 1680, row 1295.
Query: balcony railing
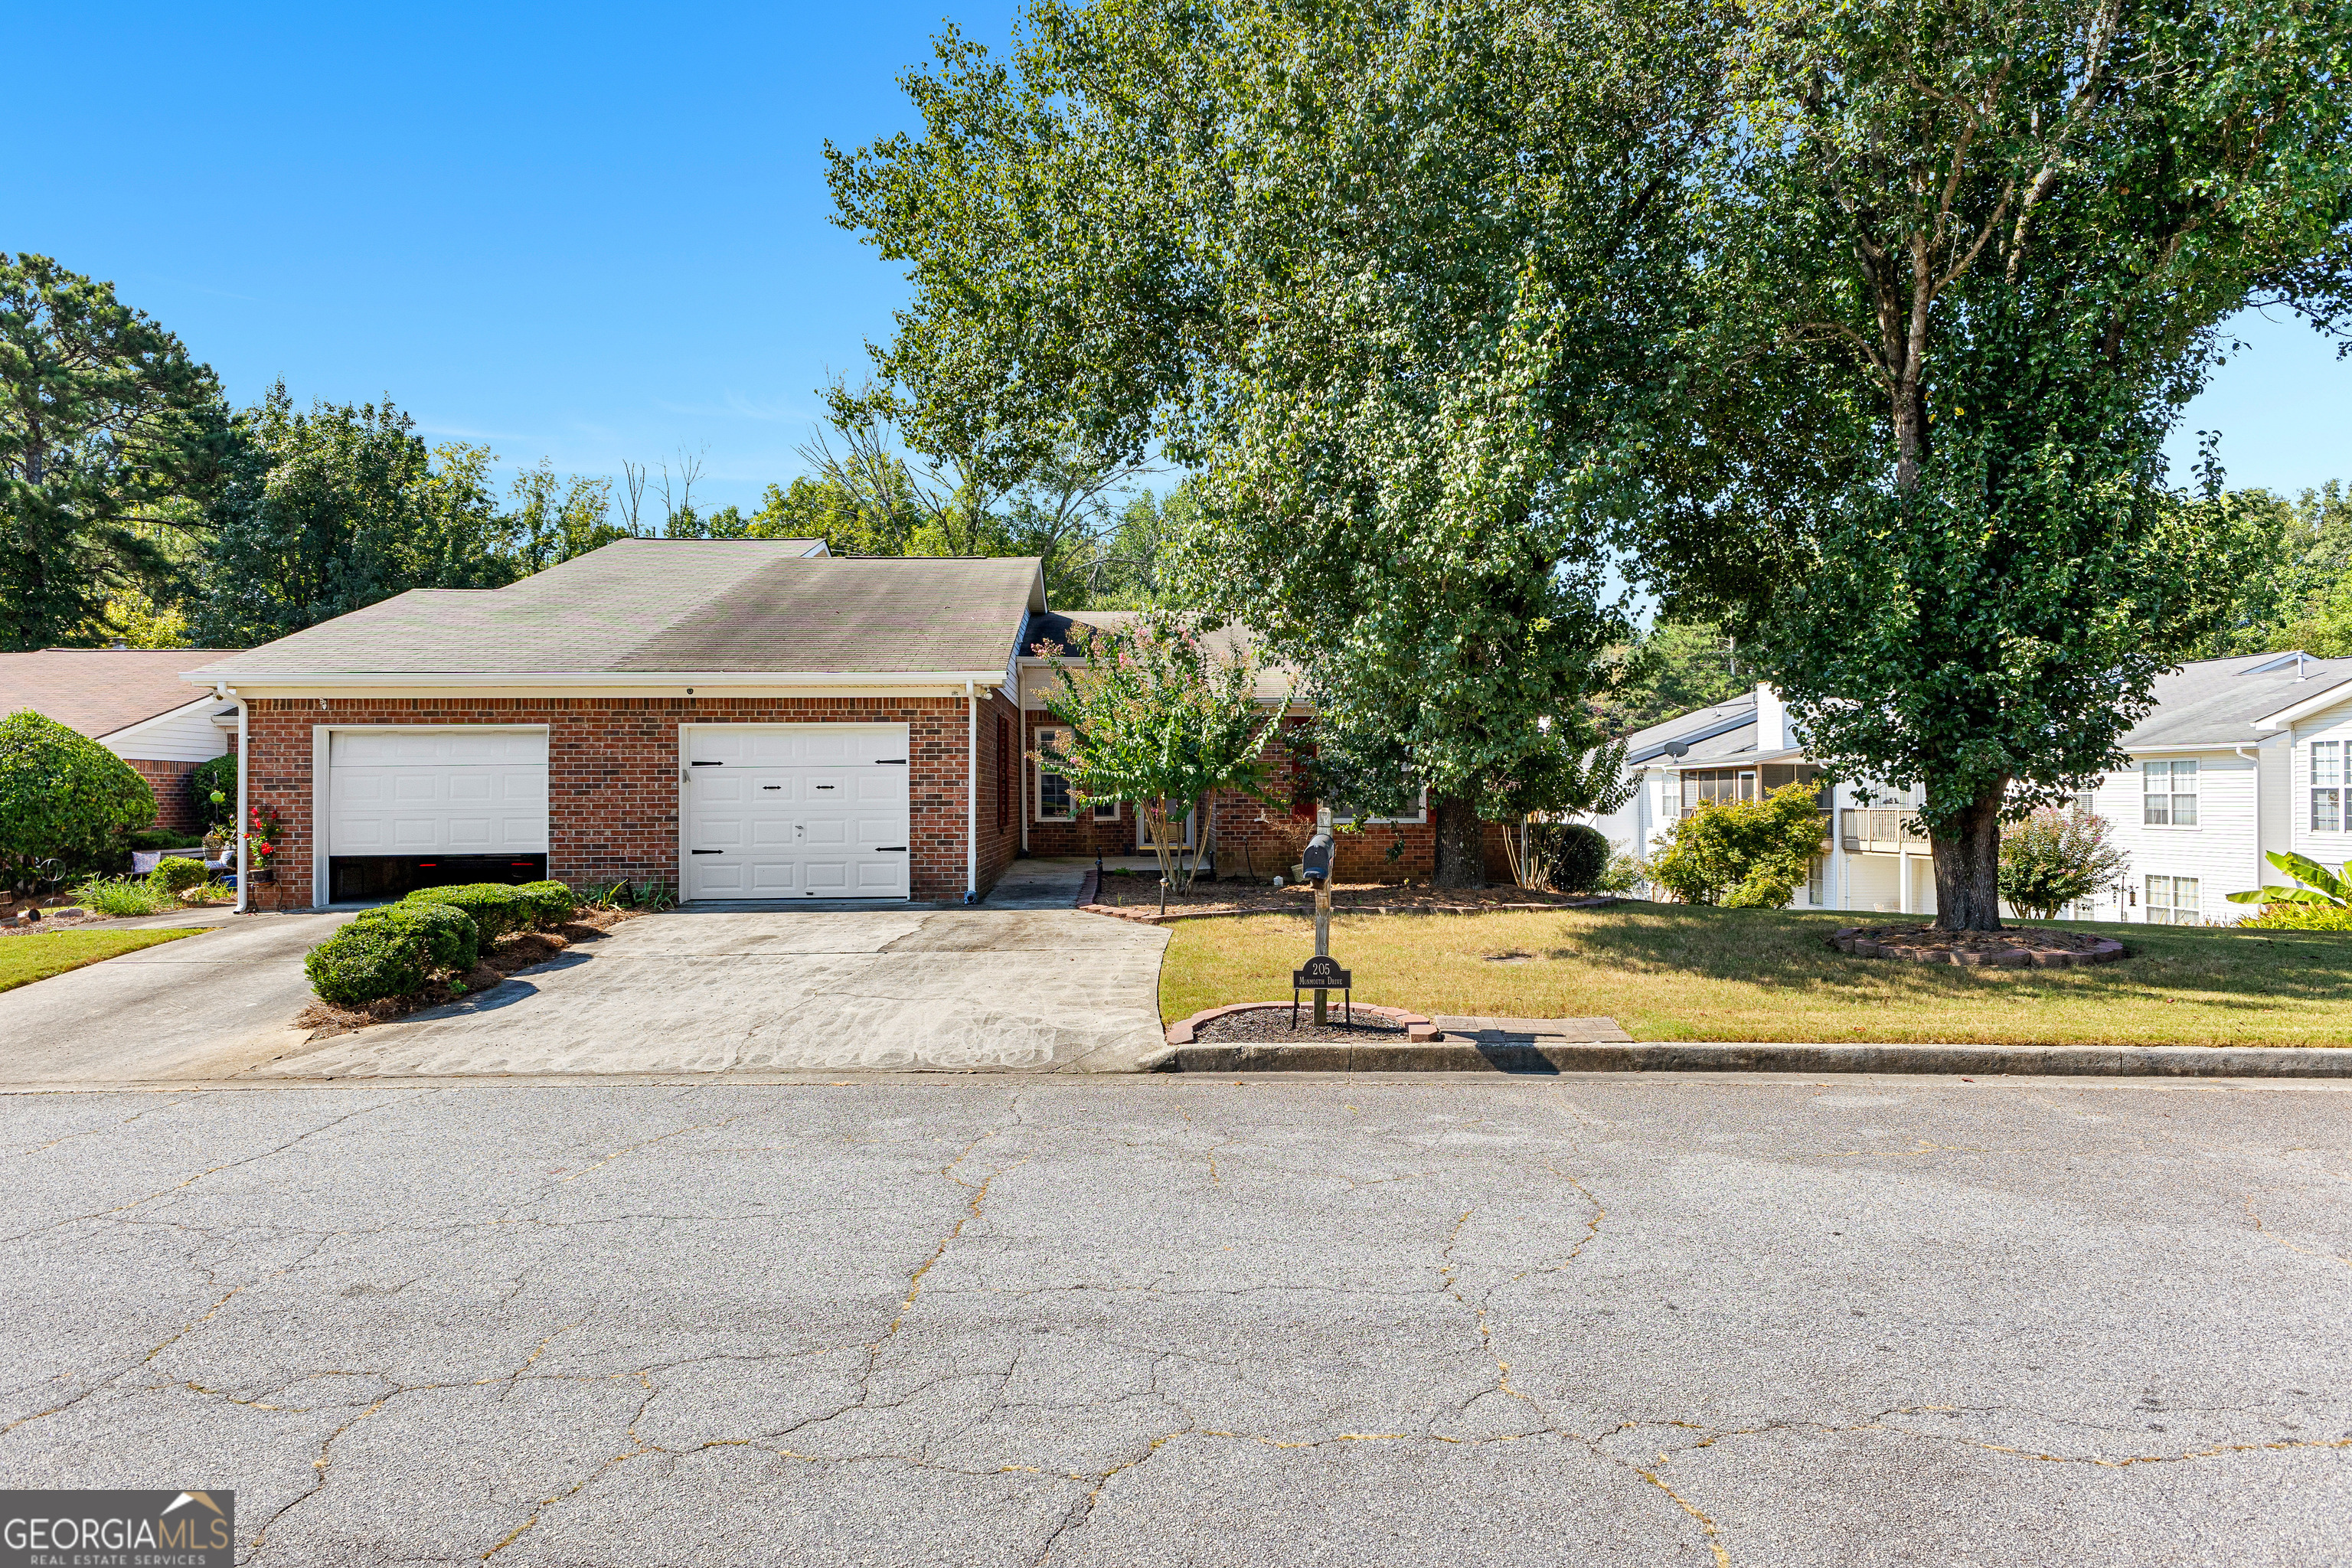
column 1879, row 830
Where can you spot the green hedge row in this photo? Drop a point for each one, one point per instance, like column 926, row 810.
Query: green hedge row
column 395, row 948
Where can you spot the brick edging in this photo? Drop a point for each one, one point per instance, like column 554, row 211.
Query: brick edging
column 1417, row 1029
column 1152, row 917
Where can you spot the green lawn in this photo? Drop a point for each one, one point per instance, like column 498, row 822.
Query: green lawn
column 36, row 956
column 1669, row 971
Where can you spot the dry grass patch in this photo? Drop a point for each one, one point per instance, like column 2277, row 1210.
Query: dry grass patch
column 1669, row 971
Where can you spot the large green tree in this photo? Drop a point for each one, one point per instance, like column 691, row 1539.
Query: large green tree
column 105, row 423
column 1387, row 279
column 1969, row 260
column 333, row 509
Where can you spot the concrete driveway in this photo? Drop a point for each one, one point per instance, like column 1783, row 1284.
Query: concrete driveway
column 796, row 990
column 205, row 1006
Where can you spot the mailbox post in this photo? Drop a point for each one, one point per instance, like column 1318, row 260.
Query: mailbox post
column 1317, row 863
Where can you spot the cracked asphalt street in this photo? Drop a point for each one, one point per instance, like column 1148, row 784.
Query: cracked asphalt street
column 1163, row 1321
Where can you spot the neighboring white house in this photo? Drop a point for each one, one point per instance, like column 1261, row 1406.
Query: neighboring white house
column 2239, row 757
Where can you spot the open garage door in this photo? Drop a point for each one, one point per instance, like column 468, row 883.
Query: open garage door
column 795, row 811
column 419, row 807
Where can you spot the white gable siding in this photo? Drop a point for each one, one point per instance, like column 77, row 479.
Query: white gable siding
column 183, row 735
column 2330, row 849
column 2221, row 851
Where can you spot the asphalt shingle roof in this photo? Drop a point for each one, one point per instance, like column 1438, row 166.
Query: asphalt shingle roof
column 681, row 605
column 2215, row 702
column 100, row 690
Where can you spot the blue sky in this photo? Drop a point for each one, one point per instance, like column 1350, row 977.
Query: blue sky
column 592, row 233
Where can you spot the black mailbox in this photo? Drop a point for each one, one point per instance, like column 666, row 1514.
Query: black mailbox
column 1315, row 865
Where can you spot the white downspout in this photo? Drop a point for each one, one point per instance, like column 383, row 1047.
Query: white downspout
column 243, row 771
column 971, row 794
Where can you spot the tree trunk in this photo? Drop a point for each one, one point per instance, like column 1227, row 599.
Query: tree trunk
column 1460, row 845
column 1967, row 866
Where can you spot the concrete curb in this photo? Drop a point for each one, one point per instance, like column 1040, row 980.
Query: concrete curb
column 1543, row 1057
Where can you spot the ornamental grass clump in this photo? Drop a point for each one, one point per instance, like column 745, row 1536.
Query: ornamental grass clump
column 118, row 896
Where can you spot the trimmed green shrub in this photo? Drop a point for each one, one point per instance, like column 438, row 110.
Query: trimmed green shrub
column 2300, row 917
column 152, row 838
column 452, row 940
column 176, row 874
column 496, row 907
column 1743, row 853
column 217, row 776
column 551, row 903
column 63, row 795
column 370, row 959
column 1573, row 856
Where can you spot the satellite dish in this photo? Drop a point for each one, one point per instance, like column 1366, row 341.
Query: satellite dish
column 1678, row 749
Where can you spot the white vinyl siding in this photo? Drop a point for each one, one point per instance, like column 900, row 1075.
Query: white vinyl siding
column 2220, row 852
column 183, row 735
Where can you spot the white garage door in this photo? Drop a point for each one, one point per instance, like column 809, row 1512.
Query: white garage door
column 792, row 811
column 438, row 792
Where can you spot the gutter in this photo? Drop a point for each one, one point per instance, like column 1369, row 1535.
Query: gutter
column 654, row 680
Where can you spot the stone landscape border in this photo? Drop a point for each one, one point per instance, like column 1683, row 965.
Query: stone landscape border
column 1855, row 941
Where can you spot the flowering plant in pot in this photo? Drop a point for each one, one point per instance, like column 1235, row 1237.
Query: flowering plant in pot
column 262, row 836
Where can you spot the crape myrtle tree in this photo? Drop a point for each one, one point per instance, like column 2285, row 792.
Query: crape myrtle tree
column 108, row 431
column 1388, row 280
column 1161, row 720
column 1967, row 259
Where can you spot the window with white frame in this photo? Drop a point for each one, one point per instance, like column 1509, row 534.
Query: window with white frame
column 2169, row 794
column 1343, row 812
column 2327, row 786
column 1814, row 890
column 1054, row 801
column 2172, row 900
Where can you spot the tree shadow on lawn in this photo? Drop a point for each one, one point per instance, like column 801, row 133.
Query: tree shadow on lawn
column 2215, row 966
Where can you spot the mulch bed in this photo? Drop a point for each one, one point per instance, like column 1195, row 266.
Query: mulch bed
column 2023, row 948
column 1271, row 1026
column 59, row 915
column 1136, row 896
column 508, row 955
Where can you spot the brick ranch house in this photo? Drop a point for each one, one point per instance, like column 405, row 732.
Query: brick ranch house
column 134, row 703
column 741, row 720
column 1243, row 835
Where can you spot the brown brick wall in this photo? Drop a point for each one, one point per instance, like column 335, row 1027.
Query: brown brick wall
column 1271, row 835
column 612, row 776
column 175, row 803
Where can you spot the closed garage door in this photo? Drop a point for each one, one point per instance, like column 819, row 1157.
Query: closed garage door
column 793, row 811
column 438, row 792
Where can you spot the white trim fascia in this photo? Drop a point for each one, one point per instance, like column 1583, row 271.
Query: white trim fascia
column 303, row 683
column 2340, row 692
column 322, row 785
column 111, row 737
column 2202, row 746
